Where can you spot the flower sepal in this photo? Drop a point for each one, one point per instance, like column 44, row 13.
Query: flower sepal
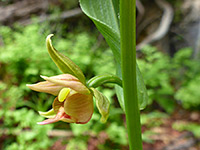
column 65, row 64
column 102, row 103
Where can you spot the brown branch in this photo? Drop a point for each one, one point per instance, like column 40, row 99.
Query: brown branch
column 23, row 10
column 163, row 27
column 60, row 133
column 65, row 15
column 51, row 133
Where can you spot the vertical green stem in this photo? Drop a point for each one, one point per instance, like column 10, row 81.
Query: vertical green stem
column 128, row 51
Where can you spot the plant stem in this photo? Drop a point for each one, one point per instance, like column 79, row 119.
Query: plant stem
column 102, row 79
column 128, row 57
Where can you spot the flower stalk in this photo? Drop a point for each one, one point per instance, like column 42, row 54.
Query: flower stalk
column 128, row 58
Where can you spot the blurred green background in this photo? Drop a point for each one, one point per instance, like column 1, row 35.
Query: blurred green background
column 172, row 77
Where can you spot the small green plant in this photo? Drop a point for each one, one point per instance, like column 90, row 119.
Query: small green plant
column 186, row 126
column 189, row 95
column 76, row 144
column 153, row 119
column 171, row 80
column 20, row 125
column 117, row 134
column 156, row 70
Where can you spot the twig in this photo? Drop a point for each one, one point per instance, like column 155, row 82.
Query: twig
column 21, row 12
column 60, row 133
column 22, row 9
column 65, row 15
column 197, row 45
column 163, row 27
column 52, row 133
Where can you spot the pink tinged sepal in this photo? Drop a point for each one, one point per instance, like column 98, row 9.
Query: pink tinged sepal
column 69, row 81
column 46, row 87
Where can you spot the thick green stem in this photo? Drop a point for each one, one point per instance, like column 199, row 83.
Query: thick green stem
column 128, row 57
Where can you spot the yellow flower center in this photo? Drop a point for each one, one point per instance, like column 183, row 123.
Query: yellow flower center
column 63, row 94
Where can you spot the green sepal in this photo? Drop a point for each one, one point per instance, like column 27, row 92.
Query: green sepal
column 65, row 64
column 102, row 79
column 102, row 103
column 48, row 114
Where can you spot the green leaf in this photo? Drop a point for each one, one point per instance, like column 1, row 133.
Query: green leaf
column 141, row 91
column 104, row 15
column 65, row 64
column 48, row 114
column 102, row 104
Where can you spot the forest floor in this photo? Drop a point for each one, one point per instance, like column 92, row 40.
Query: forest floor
column 164, row 136
column 168, row 138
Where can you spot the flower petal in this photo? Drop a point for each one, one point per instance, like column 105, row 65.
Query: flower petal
column 45, row 86
column 68, row 81
column 61, row 116
column 79, row 107
column 56, row 105
column 48, row 121
column 48, row 114
column 63, row 94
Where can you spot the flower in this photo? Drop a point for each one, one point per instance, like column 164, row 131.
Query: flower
column 74, row 101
